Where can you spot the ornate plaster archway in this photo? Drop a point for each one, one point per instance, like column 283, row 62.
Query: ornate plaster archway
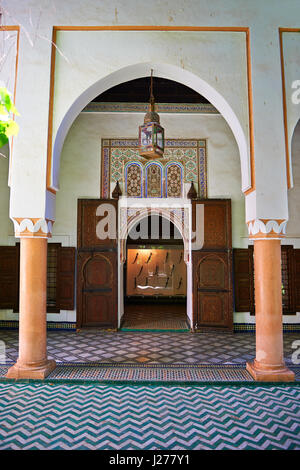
column 180, row 217
column 133, row 72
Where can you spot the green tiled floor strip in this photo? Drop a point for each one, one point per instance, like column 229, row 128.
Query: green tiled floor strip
column 71, row 326
column 149, row 330
column 67, row 416
column 147, row 374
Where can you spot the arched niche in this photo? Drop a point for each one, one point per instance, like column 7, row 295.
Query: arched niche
column 132, row 72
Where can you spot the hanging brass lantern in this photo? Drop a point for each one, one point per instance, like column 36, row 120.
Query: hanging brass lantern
column 151, row 134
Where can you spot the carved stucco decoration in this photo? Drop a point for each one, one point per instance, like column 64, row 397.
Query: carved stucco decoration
column 131, row 216
column 32, row 227
column 267, row 229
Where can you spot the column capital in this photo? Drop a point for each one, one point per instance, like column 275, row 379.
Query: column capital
column 29, row 227
column 267, row 229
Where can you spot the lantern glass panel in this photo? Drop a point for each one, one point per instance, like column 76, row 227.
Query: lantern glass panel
column 154, row 137
column 146, row 136
column 160, row 138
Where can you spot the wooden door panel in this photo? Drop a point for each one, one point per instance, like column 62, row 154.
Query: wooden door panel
column 217, row 223
column 212, row 290
column 97, row 299
column 212, row 272
column 65, row 275
column 214, row 226
column 88, row 219
column 9, row 277
column 212, row 309
column 243, row 279
column 212, row 267
column 98, row 272
column 98, row 309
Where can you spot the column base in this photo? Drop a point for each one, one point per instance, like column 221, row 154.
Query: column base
column 31, row 371
column 264, row 374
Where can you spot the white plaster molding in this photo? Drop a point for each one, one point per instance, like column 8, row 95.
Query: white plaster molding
column 31, row 227
column 170, row 72
column 131, row 212
column 267, row 228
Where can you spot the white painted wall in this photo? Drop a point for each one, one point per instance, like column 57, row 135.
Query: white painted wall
column 6, row 226
column 293, row 226
column 119, row 56
column 291, row 48
column 218, row 57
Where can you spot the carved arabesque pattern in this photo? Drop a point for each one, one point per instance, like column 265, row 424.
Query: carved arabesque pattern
column 134, row 181
column 174, row 181
column 154, row 181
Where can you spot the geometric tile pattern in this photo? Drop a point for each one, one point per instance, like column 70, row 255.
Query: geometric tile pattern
column 14, row 324
column 147, row 373
column 44, row 416
column 190, row 108
column 150, row 374
column 147, row 348
column 250, row 327
column 191, row 153
column 134, row 181
column 155, row 373
column 154, row 180
column 135, row 319
column 173, row 180
column 237, row 327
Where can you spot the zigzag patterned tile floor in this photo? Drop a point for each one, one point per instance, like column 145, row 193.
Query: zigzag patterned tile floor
column 44, row 416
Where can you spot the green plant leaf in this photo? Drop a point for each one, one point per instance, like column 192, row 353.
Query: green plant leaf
column 3, row 126
column 6, row 101
column 12, row 128
column 3, row 139
column 8, row 127
column 3, row 110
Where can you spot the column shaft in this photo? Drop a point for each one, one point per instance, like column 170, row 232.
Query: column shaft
column 32, row 361
column 269, row 362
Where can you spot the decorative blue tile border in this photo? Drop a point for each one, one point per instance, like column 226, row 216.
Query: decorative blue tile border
column 178, row 108
column 237, row 328
column 116, row 152
column 14, row 325
column 250, row 327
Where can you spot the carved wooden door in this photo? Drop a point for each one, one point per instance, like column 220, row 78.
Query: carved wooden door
column 97, row 274
column 212, row 290
column 97, row 296
column 212, row 268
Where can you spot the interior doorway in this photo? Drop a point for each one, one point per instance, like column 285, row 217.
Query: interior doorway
column 205, row 292
column 155, row 277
